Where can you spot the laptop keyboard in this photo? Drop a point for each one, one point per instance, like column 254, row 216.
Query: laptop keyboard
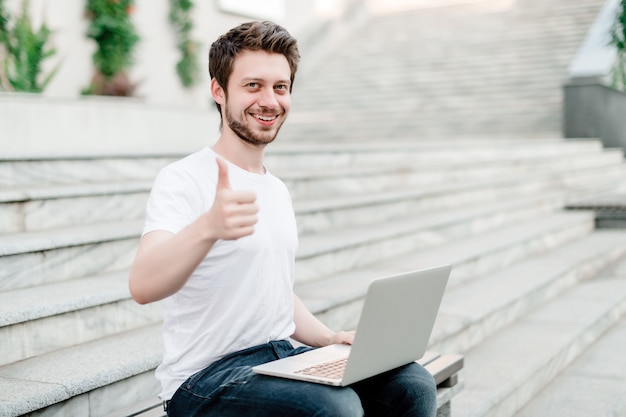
column 332, row 370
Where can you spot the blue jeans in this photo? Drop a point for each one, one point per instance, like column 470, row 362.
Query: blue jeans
column 229, row 387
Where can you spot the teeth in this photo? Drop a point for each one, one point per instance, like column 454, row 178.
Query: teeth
column 265, row 118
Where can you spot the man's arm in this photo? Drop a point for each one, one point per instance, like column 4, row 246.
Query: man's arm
column 165, row 261
column 312, row 332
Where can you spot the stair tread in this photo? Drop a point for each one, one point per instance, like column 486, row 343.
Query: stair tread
column 322, row 294
column 24, row 242
column 32, row 303
column 601, row 367
column 34, row 383
column 54, row 191
column 508, row 368
column 26, row 304
column 330, row 203
column 82, row 189
column 487, row 144
column 15, row 243
column 332, row 240
column 145, row 351
column 504, row 295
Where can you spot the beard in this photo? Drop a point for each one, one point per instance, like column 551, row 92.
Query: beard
column 248, row 135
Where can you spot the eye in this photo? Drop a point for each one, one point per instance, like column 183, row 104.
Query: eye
column 282, row 87
column 253, row 85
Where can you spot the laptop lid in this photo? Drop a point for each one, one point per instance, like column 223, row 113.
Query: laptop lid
column 394, row 329
column 396, row 322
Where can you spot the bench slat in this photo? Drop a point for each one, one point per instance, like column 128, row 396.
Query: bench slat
column 444, row 368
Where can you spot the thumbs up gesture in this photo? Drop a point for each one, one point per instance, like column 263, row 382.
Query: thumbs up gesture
column 234, row 212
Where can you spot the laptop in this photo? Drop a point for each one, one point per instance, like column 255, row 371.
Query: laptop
column 394, row 329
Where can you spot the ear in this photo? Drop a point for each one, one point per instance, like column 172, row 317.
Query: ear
column 217, row 92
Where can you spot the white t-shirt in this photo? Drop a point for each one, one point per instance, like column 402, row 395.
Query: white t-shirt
column 241, row 295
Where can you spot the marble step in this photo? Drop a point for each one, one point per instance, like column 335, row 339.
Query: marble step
column 35, row 258
column 488, row 94
column 383, row 36
column 39, row 258
column 406, row 122
column 434, row 228
column 346, row 249
column 57, row 253
column 71, row 252
column 530, row 124
column 85, row 309
column 592, row 385
column 283, row 158
column 124, row 365
column 513, row 366
column 428, row 102
column 57, row 206
column 518, row 28
column 339, row 296
column 354, row 210
column 469, row 313
column 309, row 153
column 33, row 170
column 339, row 182
column 91, row 379
column 97, row 306
column 420, row 70
column 422, row 59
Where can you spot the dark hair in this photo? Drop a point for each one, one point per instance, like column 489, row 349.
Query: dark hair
column 254, row 36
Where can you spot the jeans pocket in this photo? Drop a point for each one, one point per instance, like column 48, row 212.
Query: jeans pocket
column 208, row 382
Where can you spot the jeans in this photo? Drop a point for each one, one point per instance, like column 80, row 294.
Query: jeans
column 229, row 387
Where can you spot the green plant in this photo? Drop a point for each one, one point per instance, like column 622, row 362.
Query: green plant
column 618, row 39
column 23, row 52
column 115, row 35
column 181, row 17
column 4, row 23
column 4, row 36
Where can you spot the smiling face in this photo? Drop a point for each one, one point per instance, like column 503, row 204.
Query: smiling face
column 258, row 96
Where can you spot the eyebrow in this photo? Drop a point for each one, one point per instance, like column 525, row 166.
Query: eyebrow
column 246, row 80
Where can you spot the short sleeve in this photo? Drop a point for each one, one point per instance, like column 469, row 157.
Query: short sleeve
column 174, row 201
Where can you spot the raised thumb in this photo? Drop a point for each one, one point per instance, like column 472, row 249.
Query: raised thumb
column 222, row 174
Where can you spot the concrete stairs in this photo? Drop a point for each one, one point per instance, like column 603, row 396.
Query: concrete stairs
column 78, row 345
column 490, row 68
column 536, row 291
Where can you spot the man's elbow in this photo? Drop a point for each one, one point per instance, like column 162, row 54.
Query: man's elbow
column 137, row 292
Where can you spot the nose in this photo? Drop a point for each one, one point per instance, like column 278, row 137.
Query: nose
column 267, row 99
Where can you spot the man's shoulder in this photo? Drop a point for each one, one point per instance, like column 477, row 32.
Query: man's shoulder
column 194, row 161
column 194, row 168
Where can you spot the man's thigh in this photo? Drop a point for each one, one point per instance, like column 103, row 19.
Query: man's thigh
column 239, row 391
column 406, row 391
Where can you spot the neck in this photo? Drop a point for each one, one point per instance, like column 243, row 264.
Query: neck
column 240, row 153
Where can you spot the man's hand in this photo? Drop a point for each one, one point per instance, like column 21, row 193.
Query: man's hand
column 343, row 338
column 234, row 213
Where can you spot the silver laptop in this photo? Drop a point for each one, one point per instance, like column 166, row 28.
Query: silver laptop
column 394, row 329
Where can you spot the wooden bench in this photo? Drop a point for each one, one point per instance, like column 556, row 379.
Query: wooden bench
column 444, row 368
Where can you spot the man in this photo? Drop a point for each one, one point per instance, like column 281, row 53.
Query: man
column 219, row 245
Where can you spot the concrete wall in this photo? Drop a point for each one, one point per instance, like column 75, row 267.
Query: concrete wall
column 164, row 117
column 156, row 54
column 593, row 110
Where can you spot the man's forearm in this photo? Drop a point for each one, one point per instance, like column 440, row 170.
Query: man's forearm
column 165, row 261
